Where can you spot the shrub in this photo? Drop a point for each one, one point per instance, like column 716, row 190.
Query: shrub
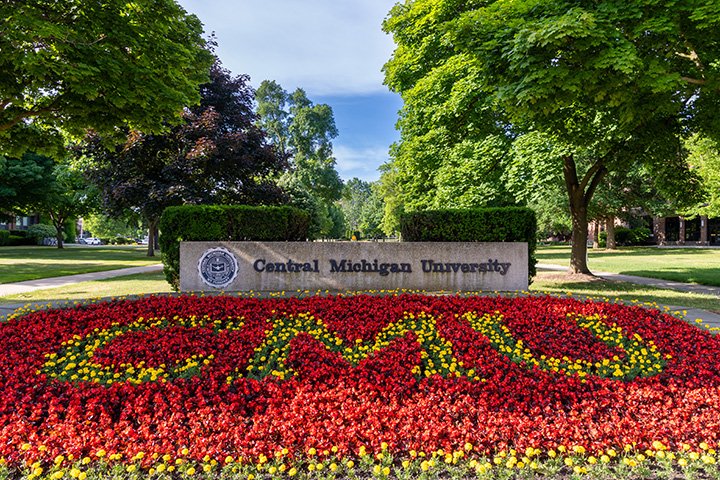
column 511, row 224
column 627, row 236
column 16, row 238
column 4, row 238
column 18, row 241
column 225, row 223
column 41, row 231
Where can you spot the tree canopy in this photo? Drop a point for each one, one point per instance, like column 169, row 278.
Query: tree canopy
column 303, row 132
column 77, row 65
column 217, row 155
column 23, row 180
column 705, row 159
column 363, row 207
column 608, row 83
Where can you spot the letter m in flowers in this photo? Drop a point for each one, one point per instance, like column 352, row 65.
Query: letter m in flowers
column 271, row 358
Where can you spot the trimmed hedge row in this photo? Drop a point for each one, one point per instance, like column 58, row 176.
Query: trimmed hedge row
column 225, row 223
column 15, row 238
column 507, row 224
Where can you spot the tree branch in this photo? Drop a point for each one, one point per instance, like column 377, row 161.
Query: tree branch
column 596, row 179
column 694, row 81
column 590, row 174
column 22, row 116
column 693, row 57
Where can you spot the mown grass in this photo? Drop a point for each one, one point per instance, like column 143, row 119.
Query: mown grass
column 689, row 265
column 545, row 282
column 555, row 283
column 139, row 284
column 19, row 264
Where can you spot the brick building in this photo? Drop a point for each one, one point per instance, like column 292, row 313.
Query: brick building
column 699, row 231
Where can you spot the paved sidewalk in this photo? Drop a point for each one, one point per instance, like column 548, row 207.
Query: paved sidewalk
column 32, row 285
column 56, row 282
column 709, row 318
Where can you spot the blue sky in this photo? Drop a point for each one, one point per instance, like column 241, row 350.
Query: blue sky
column 334, row 49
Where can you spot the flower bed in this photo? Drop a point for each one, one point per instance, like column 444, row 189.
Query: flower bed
column 216, row 378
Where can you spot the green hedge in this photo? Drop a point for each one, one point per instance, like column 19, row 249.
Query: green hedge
column 15, row 238
column 510, row 224
column 225, row 223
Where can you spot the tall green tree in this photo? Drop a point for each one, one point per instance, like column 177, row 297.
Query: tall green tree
column 217, row 155
column 613, row 82
column 363, row 208
column 355, row 193
column 36, row 183
column 67, row 196
column 705, row 160
column 23, row 180
column 303, row 131
column 76, row 64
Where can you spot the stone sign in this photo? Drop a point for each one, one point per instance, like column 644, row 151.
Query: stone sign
column 342, row 266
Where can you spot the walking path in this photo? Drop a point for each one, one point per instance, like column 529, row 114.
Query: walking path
column 55, row 282
column 709, row 318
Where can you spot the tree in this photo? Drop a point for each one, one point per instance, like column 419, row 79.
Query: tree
column 371, row 215
column 273, row 114
column 303, row 131
column 101, row 225
column 67, row 196
column 610, row 82
column 23, row 180
column 36, row 183
column 363, row 208
column 217, row 155
column 705, row 160
column 74, row 65
column 355, row 193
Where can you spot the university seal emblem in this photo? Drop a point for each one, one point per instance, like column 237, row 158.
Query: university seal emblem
column 218, row 267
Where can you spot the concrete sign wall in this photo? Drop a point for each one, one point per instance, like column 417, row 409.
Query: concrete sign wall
column 341, row 266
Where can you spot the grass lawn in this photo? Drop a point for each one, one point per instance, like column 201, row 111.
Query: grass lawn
column 546, row 282
column 690, row 265
column 112, row 287
column 18, row 264
column 556, row 283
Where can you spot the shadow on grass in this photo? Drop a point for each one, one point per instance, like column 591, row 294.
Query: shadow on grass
column 610, row 290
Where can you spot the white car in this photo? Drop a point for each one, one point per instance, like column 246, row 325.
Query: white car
column 93, row 241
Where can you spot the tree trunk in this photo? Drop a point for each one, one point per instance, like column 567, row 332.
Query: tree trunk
column 579, row 195
column 152, row 230
column 610, row 243
column 596, row 234
column 578, row 255
column 59, row 223
column 157, row 236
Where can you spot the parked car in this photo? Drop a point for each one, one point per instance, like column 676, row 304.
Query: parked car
column 93, row 241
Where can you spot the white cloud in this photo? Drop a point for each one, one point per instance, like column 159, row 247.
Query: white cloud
column 360, row 162
column 324, row 46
